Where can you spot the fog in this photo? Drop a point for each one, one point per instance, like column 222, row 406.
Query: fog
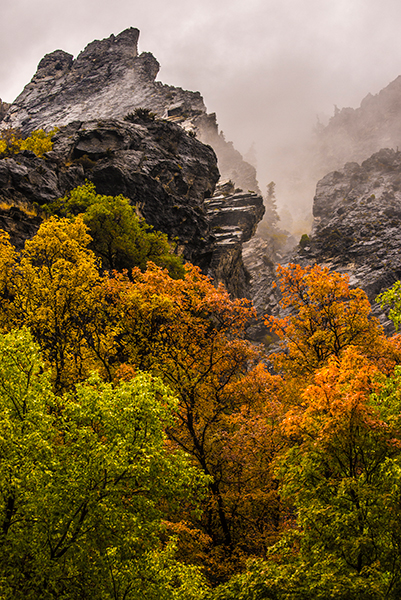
column 269, row 68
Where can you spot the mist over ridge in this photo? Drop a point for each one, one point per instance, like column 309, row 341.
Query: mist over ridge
column 267, row 69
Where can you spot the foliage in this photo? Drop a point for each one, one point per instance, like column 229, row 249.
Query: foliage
column 140, row 114
column 189, row 333
column 119, row 237
column 77, row 201
column 39, row 142
column 392, row 298
column 304, row 241
column 338, row 463
column 7, row 263
column 342, row 478
column 301, row 469
column 82, row 480
column 123, row 241
column 10, row 140
column 185, row 331
column 54, row 287
column 325, row 317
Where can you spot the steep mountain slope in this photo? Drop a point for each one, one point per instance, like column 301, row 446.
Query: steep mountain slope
column 110, row 79
column 355, row 134
column 166, row 172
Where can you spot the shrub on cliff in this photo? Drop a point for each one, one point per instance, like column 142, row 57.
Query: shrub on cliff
column 140, row 114
column 119, row 237
column 39, row 142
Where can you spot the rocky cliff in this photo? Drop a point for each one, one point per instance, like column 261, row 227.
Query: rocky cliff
column 357, row 222
column 232, row 214
column 357, row 231
column 355, row 134
column 164, row 172
column 109, row 79
column 168, row 175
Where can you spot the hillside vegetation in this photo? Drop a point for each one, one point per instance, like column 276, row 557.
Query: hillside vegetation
column 149, row 451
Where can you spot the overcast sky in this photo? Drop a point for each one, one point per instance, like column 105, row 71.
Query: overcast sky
column 268, row 68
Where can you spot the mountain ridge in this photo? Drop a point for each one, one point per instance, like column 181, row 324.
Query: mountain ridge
column 110, row 79
column 129, row 134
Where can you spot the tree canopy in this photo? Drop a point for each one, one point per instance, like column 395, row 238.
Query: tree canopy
column 119, row 237
column 85, row 480
column 149, row 451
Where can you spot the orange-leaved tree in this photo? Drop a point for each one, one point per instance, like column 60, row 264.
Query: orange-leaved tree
column 341, row 476
column 190, row 333
column 323, row 317
column 337, row 477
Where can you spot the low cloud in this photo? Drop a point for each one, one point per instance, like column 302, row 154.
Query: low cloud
column 268, row 68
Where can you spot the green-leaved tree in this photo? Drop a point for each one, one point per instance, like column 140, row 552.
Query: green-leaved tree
column 119, row 237
column 85, row 480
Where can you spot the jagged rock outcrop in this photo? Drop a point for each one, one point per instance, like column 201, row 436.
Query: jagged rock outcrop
column 109, row 79
column 233, row 215
column 167, row 174
column 355, row 134
column 357, row 226
column 4, row 106
column 160, row 165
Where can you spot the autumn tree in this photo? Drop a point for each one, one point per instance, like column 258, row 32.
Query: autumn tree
column 119, row 237
column 324, row 316
column 335, row 472
column 185, row 331
column 84, row 481
column 251, row 439
column 342, row 476
column 190, row 334
column 54, row 287
column 10, row 140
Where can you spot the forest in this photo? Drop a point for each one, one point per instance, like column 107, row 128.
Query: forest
column 149, row 451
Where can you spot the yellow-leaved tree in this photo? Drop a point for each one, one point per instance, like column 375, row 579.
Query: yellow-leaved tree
column 54, row 289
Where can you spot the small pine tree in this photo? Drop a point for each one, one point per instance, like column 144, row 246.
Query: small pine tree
column 271, row 214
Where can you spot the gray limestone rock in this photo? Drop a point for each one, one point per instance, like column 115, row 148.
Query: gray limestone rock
column 168, row 175
column 4, row 106
column 355, row 134
column 109, row 79
column 233, row 216
column 357, row 226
